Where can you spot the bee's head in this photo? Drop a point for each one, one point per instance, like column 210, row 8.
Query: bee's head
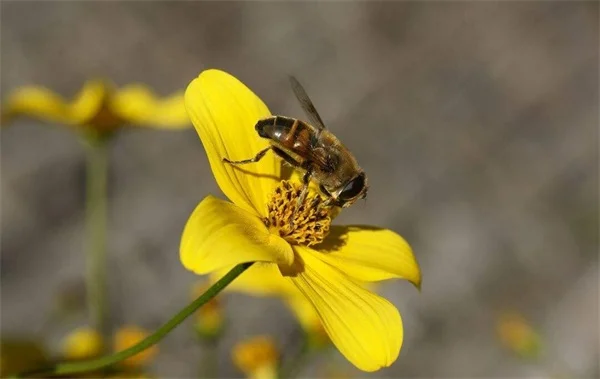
column 353, row 190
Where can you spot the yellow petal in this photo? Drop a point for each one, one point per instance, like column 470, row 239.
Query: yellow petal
column 219, row 234
column 137, row 104
column 224, row 112
column 261, row 279
column 43, row 104
column 265, row 279
column 304, row 311
column 370, row 254
column 366, row 328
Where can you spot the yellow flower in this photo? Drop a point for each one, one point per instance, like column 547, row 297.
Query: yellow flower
column 128, row 336
column 82, row 343
column 518, row 335
column 98, row 108
column 209, row 320
column 324, row 266
column 19, row 354
column 257, row 357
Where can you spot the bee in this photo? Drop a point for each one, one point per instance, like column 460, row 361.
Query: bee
column 312, row 149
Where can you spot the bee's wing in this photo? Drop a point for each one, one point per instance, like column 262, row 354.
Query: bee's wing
column 306, row 104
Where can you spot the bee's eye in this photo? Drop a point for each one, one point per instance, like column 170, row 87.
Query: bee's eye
column 354, row 188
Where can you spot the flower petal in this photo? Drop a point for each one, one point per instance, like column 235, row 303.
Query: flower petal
column 366, row 328
column 261, row 279
column 220, row 234
column 370, row 254
column 43, row 104
column 265, row 279
column 224, row 112
column 304, row 310
column 137, row 105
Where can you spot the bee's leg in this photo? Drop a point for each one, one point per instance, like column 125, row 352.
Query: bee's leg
column 305, row 182
column 327, row 202
column 303, row 193
column 257, row 158
column 286, row 157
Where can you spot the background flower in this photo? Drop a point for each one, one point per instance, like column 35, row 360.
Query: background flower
column 98, row 107
column 82, row 343
column 128, row 336
column 257, row 357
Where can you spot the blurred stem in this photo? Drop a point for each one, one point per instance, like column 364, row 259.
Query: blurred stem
column 70, row 368
column 96, row 182
column 209, row 359
column 292, row 369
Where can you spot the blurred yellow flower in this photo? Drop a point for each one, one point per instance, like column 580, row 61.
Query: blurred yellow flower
column 325, row 266
column 516, row 334
column 209, row 320
column 19, row 354
column 127, row 336
column 98, row 108
column 257, row 357
column 82, row 343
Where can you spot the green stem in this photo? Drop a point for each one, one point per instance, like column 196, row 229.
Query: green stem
column 96, row 364
column 96, row 179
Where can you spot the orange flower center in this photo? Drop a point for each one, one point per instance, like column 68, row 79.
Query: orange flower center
column 300, row 224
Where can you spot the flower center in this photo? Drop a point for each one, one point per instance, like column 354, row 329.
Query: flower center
column 105, row 119
column 305, row 224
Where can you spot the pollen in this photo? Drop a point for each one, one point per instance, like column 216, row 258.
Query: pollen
column 307, row 225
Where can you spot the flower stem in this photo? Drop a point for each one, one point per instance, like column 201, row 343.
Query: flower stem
column 95, row 364
column 96, row 180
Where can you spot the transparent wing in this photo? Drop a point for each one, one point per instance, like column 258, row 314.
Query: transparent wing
column 307, row 105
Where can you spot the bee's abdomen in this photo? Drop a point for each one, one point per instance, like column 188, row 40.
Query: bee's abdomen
column 279, row 128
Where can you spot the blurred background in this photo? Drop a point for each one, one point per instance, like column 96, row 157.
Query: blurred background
column 477, row 123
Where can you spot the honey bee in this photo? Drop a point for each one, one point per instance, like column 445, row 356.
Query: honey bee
column 311, row 148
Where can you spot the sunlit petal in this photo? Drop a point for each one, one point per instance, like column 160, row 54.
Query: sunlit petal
column 365, row 328
column 219, row 234
column 303, row 309
column 370, row 254
column 138, row 105
column 41, row 103
column 224, row 112
column 261, row 279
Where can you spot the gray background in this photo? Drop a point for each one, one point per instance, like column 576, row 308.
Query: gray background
column 476, row 123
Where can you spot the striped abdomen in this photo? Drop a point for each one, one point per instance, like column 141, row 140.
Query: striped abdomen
column 288, row 133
